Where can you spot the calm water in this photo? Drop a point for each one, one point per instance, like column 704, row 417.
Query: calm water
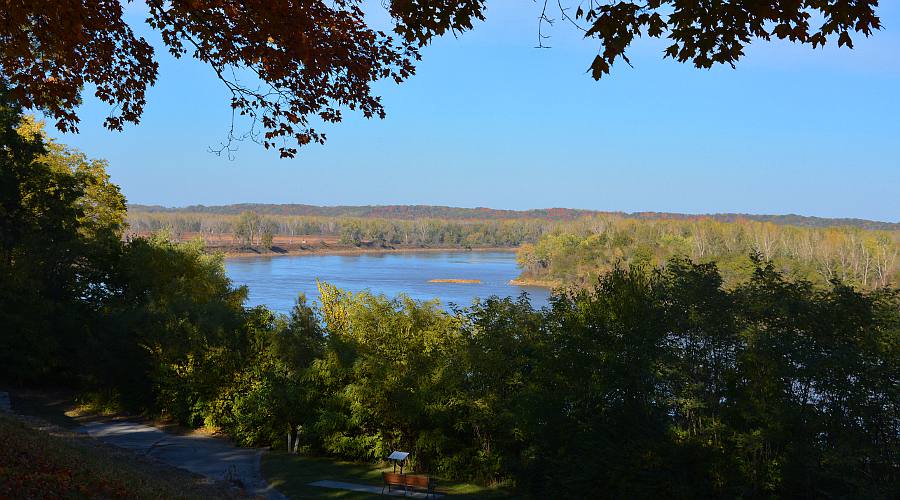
column 276, row 281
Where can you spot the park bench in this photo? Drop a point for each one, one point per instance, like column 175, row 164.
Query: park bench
column 409, row 483
column 424, row 484
column 393, row 480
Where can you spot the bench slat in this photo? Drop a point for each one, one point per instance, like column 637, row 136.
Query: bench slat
column 422, row 483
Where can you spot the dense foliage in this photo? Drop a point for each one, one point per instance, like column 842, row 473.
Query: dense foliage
column 575, row 255
column 650, row 381
column 655, row 383
column 61, row 222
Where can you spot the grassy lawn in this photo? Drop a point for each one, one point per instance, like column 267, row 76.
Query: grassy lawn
column 291, row 474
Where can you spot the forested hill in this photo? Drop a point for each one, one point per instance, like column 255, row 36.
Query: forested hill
column 375, row 211
column 480, row 213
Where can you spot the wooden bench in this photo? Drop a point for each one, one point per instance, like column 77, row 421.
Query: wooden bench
column 424, row 484
column 409, row 483
column 393, row 480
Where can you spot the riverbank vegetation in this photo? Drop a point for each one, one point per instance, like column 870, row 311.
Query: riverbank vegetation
column 579, row 253
column 303, row 227
column 250, row 228
column 675, row 380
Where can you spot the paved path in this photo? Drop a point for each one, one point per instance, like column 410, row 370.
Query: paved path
column 208, row 456
column 365, row 488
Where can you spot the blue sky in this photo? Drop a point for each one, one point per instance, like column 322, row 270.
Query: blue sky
column 489, row 120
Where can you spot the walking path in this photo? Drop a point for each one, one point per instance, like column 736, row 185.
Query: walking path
column 211, row 457
column 208, row 456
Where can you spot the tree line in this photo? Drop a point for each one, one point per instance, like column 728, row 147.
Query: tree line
column 195, row 214
column 650, row 381
column 573, row 252
column 251, row 228
column 371, row 211
column 576, row 254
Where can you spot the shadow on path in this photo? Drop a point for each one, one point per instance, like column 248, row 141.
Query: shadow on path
column 205, row 455
column 375, row 490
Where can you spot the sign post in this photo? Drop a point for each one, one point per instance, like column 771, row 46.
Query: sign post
column 398, row 457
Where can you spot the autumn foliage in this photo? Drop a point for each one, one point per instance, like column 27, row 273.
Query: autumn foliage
column 290, row 65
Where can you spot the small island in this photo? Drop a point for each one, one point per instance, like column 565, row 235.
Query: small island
column 453, row 281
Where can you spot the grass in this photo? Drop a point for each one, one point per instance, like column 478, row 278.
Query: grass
column 63, row 464
column 291, row 474
column 51, row 462
column 53, row 406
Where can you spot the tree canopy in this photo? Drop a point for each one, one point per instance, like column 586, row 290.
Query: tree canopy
column 308, row 61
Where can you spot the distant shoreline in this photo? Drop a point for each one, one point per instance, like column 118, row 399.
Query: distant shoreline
column 413, row 212
column 248, row 253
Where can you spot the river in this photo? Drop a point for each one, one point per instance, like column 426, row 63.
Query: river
column 276, row 281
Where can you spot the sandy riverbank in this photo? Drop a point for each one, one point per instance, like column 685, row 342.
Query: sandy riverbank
column 277, row 251
column 309, row 244
column 534, row 282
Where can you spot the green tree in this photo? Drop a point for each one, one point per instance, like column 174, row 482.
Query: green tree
column 267, row 230
column 248, row 228
column 274, row 393
column 176, row 328
column 60, row 224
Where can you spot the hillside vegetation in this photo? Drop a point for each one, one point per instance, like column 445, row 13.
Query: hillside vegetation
column 578, row 253
column 408, row 212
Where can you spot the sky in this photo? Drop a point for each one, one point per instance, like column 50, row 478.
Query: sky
column 490, row 120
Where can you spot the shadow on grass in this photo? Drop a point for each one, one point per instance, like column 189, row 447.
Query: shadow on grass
column 291, row 474
column 50, row 406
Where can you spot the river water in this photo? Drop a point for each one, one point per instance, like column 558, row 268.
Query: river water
column 276, row 281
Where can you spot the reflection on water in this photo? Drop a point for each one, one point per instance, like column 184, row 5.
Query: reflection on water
column 276, row 281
